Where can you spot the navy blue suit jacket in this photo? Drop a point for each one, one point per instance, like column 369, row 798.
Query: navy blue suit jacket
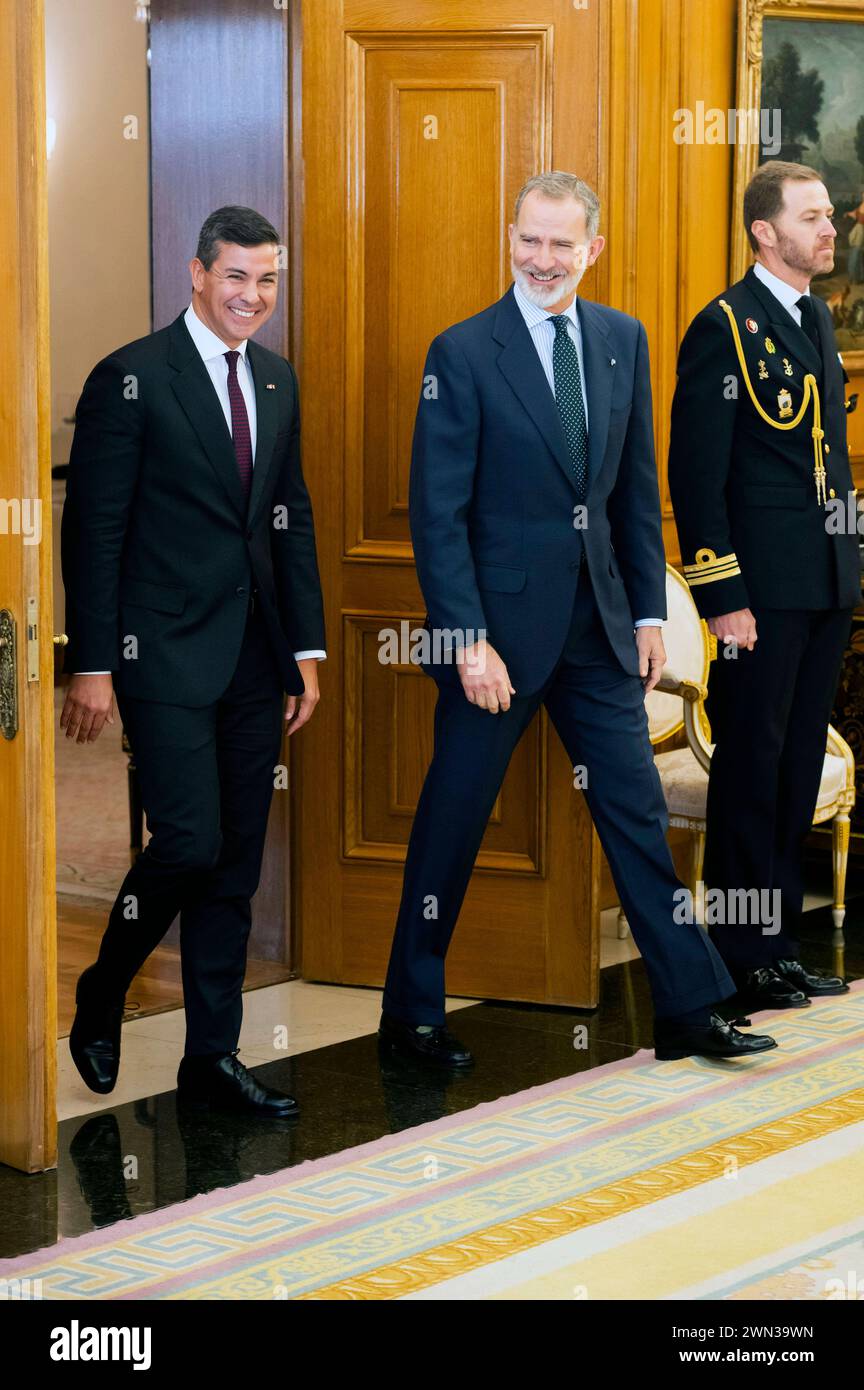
column 492, row 492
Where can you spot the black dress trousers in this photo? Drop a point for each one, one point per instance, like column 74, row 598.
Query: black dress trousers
column 769, row 710
column 207, row 778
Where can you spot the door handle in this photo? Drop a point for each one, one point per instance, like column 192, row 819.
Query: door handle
column 8, row 679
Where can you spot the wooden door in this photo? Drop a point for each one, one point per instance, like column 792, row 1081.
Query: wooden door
column 28, row 1026
column 420, row 121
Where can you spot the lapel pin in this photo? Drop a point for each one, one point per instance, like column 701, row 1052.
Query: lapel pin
column 611, row 361
column 787, row 366
column 270, row 386
column 769, row 346
column 752, row 326
column 763, row 370
column 784, row 403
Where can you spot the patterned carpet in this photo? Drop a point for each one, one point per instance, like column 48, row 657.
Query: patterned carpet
column 639, row 1179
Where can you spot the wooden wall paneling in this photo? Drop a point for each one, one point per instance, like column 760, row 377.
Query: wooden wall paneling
column 705, row 211
column 668, row 208
column 316, row 761
column 222, row 124
column 219, row 134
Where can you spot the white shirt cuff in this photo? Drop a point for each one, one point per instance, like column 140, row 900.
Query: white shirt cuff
column 648, row 622
column 306, row 656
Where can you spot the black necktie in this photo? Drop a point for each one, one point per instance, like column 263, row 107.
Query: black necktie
column 808, row 321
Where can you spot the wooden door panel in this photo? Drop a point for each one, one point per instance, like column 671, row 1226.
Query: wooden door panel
column 428, row 233
column 420, row 123
column 389, row 712
column 500, row 949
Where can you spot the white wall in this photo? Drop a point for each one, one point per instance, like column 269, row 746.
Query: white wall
column 98, row 192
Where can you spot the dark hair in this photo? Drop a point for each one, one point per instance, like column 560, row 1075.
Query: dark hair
column 237, row 226
column 763, row 196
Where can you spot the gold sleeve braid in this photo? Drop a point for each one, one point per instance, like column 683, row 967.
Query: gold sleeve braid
column 708, row 567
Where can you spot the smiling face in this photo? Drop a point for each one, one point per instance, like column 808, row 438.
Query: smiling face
column 799, row 243
column 550, row 250
column 238, row 293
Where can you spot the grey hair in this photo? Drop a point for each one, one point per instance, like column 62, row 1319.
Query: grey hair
column 557, row 184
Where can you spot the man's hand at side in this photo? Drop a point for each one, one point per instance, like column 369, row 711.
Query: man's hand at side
column 89, row 705
column 738, row 627
column 652, row 655
column 484, row 678
column 299, row 709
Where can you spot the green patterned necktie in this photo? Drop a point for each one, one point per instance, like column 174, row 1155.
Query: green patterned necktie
column 568, row 398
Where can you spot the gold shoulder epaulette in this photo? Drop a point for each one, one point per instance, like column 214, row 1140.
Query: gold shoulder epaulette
column 707, row 567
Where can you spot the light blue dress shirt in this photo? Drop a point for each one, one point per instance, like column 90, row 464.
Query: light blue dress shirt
column 542, row 330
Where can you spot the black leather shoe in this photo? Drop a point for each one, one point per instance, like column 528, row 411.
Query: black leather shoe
column 810, row 982
column 715, row 1039
column 764, row 988
column 94, row 1040
column 223, row 1083
column 431, row 1042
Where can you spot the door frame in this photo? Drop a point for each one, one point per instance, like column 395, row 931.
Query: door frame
column 28, row 940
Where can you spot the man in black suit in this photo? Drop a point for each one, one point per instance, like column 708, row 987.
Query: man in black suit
column 193, row 597
column 535, row 518
column 758, row 447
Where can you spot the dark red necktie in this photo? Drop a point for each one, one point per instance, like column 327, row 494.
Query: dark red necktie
column 240, row 431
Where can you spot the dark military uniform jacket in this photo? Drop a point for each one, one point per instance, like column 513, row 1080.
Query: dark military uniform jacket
column 751, row 523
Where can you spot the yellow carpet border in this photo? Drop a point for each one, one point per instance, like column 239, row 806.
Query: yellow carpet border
column 472, row 1252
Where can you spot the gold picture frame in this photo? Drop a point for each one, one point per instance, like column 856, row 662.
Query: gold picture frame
column 752, row 16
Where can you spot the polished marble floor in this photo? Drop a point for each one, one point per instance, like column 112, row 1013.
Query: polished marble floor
column 139, row 1153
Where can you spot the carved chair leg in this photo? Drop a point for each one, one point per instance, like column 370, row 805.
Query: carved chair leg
column 840, row 844
column 697, row 864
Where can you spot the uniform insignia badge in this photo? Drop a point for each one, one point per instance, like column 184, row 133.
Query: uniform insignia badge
column 787, row 366
column 763, row 370
column 784, row 405
column 752, row 325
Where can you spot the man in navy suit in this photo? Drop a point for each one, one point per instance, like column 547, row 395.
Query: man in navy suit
column 535, row 518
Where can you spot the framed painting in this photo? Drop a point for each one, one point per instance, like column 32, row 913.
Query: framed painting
column 803, row 61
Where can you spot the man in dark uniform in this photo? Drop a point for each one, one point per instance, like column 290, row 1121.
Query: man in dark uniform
column 758, row 447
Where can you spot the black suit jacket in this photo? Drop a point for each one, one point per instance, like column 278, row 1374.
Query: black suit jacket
column 159, row 547
column 492, row 493
column 743, row 492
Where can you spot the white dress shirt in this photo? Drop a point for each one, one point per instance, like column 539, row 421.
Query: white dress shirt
column 213, row 351
column 787, row 294
column 542, row 329
column 543, row 337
